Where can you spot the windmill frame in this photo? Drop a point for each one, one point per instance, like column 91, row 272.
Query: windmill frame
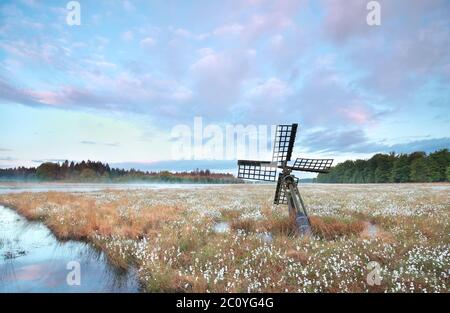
column 286, row 191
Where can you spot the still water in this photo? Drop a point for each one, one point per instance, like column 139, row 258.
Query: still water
column 33, row 260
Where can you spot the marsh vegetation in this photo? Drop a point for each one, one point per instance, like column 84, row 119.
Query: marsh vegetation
column 171, row 237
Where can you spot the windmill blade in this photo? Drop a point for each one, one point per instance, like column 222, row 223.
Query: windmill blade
column 280, row 192
column 257, row 170
column 312, row 165
column 284, row 142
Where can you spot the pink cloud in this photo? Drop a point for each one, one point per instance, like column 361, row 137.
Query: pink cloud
column 357, row 114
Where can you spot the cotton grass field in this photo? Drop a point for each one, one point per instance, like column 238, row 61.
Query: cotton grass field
column 232, row 239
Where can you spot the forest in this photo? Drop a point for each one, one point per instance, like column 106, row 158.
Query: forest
column 381, row 168
column 89, row 171
column 392, row 168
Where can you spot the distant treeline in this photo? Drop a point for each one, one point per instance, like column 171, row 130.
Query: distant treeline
column 99, row 172
column 392, row 168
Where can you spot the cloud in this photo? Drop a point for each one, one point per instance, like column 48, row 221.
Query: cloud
column 266, row 18
column 260, row 25
column 128, row 6
column 8, row 159
column 404, row 53
column 16, row 95
column 326, row 97
column 148, row 42
column 331, row 140
column 112, row 144
column 345, row 19
column 71, row 96
column 267, row 100
column 218, row 80
column 4, row 150
column 48, row 160
column 323, row 97
column 427, row 145
column 230, row 29
column 127, row 35
column 46, row 52
column 180, row 165
column 90, row 142
column 100, row 62
column 356, row 141
column 273, row 88
column 181, row 32
column 30, row 3
column 140, row 93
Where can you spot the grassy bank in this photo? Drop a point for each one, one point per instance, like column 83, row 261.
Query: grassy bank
column 169, row 236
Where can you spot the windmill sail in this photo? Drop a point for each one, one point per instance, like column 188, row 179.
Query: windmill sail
column 257, row 170
column 284, row 143
column 312, row 165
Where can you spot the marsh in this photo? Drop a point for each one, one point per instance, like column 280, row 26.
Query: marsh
column 169, row 235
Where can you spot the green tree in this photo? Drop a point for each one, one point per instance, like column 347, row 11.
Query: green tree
column 369, row 172
column 401, row 170
column 47, row 171
column 348, row 173
column 438, row 162
column 420, row 171
column 358, row 175
column 384, row 167
column 88, row 174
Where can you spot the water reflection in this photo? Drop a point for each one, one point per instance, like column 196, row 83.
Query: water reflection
column 222, row 227
column 33, row 260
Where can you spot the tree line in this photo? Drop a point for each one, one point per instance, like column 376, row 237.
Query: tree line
column 89, row 171
column 392, row 168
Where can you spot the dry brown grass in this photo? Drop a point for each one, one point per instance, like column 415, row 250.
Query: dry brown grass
column 328, row 228
column 283, row 226
column 78, row 216
column 243, row 224
column 228, row 215
column 332, row 228
column 299, row 256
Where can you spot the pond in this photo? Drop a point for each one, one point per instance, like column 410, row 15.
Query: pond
column 33, row 260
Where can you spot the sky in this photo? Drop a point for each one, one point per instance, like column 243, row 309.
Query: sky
column 116, row 86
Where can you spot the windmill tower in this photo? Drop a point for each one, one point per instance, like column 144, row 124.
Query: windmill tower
column 286, row 191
